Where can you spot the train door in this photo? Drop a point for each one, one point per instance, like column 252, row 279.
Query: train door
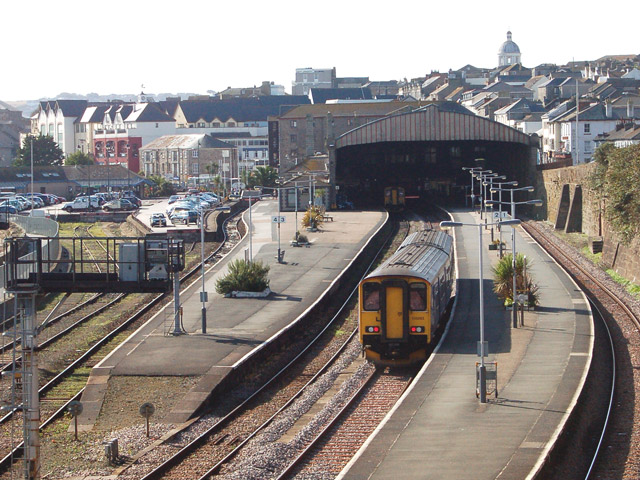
column 395, row 314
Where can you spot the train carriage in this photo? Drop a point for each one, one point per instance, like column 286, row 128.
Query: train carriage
column 394, row 199
column 402, row 302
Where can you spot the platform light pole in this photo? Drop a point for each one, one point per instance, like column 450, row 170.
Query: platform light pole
column 32, row 201
column 203, row 293
column 499, row 190
column 472, row 171
column 513, row 243
column 482, row 371
column 489, row 183
column 482, row 176
column 477, row 174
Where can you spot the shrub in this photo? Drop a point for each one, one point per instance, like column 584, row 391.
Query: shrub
column 313, row 217
column 244, row 276
column 503, row 279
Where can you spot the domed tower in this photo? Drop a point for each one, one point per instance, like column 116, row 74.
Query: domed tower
column 509, row 52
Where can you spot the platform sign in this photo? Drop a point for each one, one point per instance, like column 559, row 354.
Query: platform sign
column 277, row 219
column 500, row 215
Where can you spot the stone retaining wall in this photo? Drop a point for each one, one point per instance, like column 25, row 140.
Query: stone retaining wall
column 624, row 259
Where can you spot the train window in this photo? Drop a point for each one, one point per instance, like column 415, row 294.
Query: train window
column 371, row 296
column 418, row 296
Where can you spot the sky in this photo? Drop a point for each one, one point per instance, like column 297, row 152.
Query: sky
column 196, row 46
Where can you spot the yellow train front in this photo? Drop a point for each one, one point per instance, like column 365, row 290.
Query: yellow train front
column 394, row 199
column 403, row 301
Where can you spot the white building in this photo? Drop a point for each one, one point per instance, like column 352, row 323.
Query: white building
column 579, row 128
column 509, row 53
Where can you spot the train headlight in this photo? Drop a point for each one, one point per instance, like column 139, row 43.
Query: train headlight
column 417, row 329
column 372, row 329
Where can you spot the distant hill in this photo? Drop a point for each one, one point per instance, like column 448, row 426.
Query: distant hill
column 27, row 107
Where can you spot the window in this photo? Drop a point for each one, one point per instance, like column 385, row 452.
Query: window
column 200, row 124
column 418, row 297
column 587, row 128
column 194, row 153
column 215, row 124
column 195, row 168
column 588, row 147
column 371, row 297
column 293, row 138
column 293, row 123
column 231, row 124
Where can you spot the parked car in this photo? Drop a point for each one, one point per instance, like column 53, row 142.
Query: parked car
column 158, row 220
column 133, row 199
column 13, row 203
column 7, row 208
column 174, row 198
column 82, row 204
column 184, row 217
column 119, row 205
column 36, row 201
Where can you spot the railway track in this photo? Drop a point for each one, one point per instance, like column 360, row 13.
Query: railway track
column 616, row 452
column 271, row 408
column 328, row 451
column 55, row 407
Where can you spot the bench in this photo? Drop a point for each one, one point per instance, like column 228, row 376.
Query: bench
column 327, row 218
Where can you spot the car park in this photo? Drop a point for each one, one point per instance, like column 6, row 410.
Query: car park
column 158, row 220
column 119, row 205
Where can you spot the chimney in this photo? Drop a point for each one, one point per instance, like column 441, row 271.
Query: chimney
column 607, row 108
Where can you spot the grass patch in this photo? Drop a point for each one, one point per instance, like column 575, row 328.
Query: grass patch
column 595, row 258
column 632, row 288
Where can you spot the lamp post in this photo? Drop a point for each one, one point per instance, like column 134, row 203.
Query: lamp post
column 489, row 183
column 482, row 176
column 32, row 202
column 472, row 171
column 499, row 190
column 513, row 244
column 482, row 372
column 203, row 293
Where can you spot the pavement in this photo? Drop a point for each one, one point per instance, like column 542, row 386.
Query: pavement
column 235, row 327
column 440, row 430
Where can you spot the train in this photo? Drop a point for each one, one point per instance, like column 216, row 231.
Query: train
column 394, row 199
column 402, row 302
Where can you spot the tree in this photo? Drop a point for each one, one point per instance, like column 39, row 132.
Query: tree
column 162, row 187
column 45, row 152
column 79, row 158
column 264, row 176
column 615, row 180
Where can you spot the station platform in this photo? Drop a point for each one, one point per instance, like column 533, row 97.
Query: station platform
column 440, row 430
column 235, row 327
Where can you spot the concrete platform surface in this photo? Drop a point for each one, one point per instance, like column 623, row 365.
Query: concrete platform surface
column 440, row 430
column 236, row 326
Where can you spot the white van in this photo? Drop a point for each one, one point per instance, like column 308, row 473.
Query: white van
column 82, row 204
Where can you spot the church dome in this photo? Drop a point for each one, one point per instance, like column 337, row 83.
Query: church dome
column 509, row 47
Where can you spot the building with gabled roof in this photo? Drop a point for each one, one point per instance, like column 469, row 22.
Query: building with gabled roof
column 625, row 135
column 190, row 159
column 324, row 95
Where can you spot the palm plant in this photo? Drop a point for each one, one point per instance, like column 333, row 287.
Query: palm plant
column 503, row 279
column 313, row 217
column 244, row 276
